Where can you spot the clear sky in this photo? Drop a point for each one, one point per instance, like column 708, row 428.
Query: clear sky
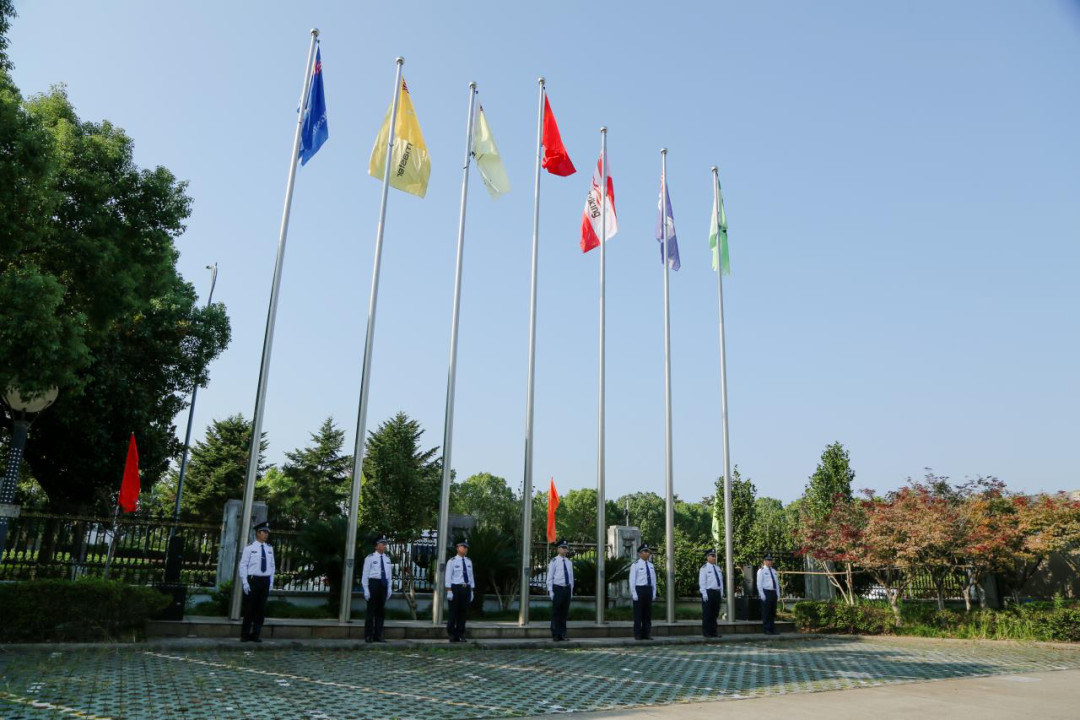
column 901, row 183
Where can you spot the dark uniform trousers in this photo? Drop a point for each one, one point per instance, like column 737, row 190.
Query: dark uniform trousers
column 768, row 611
column 376, row 607
column 710, row 608
column 459, row 609
column 643, row 612
column 255, row 607
column 560, row 609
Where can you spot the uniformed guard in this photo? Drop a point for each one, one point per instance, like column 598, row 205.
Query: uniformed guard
column 643, row 591
column 560, row 586
column 768, row 586
column 257, row 577
column 711, row 585
column 377, row 589
column 460, row 582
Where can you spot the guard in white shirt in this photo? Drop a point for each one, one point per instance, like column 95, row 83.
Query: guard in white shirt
column 643, row 591
column 768, row 587
column 711, row 585
column 257, row 577
column 377, row 589
column 560, row 586
column 460, row 583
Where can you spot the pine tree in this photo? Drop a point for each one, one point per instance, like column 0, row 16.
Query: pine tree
column 314, row 482
column 217, row 469
column 400, row 493
column 831, row 481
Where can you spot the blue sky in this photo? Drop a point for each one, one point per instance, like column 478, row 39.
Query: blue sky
column 901, row 184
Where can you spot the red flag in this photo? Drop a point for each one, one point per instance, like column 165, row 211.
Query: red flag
column 590, row 218
column 553, row 502
column 129, row 488
column 555, row 161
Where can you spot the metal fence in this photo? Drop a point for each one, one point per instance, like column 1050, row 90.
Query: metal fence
column 41, row 545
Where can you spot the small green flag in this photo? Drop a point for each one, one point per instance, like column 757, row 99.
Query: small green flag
column 716, row 510
column 718, row 233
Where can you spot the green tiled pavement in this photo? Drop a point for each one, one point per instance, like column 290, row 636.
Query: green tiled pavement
column 321, row 684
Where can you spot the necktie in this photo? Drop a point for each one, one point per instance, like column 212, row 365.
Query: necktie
column 717, row 574
column 775, row 585
column 648, row 576
column 382, row 568
column 565, row 574
column 262, row 565
column 465, row 571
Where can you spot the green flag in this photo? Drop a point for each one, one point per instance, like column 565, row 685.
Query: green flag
column 716, row 510
column 718, row 233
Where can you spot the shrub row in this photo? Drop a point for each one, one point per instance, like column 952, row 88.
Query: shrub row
column 81, row 611
column 1038, row 621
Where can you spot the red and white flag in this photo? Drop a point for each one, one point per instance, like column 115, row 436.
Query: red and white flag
column 590, row 219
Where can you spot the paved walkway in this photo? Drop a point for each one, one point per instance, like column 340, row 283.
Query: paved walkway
column 328, row 683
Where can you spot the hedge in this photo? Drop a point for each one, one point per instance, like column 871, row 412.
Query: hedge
column 77, row 611
column 1048, row 621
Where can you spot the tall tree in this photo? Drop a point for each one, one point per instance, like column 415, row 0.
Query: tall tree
column 742, row 517
column 400, row 494
column 217, row 470
column 831, row 481
column 771, row 532
column 314, row 482
column 93, row 302
column 487, row 498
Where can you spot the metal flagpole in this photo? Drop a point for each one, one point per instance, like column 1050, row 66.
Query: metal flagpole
column 669, row 510
column 365, row 375
column 601, row 537
column 526, row 487
column 448, row 426
column 268, row 341
column 729, row 559
column 190, row 419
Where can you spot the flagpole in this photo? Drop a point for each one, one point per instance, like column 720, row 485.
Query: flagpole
column 268, row 342
column 448, row 425
column 191, row 418
column 601, row 531
column 345, row 610
column 729, row 559
column 669, row 509
column 530, row 383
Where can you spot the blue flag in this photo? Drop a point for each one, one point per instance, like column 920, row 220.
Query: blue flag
column 315, row 130
column 664, row 217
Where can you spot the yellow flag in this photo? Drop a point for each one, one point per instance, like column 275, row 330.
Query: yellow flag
column 410, row 165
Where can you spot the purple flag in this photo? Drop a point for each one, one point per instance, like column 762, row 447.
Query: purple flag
column 665, row 216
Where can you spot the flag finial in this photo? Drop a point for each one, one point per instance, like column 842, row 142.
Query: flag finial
column 472, row 86
column 315, row 32
column 400, row 60
column 603, row 129
column 541, row 80
column 714, row 169
column 663, row 151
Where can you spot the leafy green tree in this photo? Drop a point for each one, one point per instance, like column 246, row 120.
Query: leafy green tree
column 314, row 482
column 647, row 512
column 489, row 499
column 689, row 557
column 742, row 516
column 400, row 493
column 216, row 471
column 93, row 304
column 831, row 481
column 575, row 518
column 771, row 532
column 695, row 519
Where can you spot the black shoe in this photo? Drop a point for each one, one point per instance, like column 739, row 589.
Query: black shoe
column 367, row 639
column 638, row 637
column 255, row 639
column 245, row 638
column 647, row 637
column 379, row 640
column 455, row 639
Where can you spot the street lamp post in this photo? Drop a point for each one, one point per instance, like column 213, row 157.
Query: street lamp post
column 23, row 413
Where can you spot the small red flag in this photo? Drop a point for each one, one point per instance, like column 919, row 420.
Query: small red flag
column 129, row 488
column 555, row 160
column 553, row 502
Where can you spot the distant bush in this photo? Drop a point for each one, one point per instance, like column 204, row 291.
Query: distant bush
column 84, row 610
column 1051, row 621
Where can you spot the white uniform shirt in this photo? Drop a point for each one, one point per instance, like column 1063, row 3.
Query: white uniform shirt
column 455, row 574
column 251, row 563
column 767, row 579
column 638, row 576
column 557, row 576
column 710, row 578
column 373, row 571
